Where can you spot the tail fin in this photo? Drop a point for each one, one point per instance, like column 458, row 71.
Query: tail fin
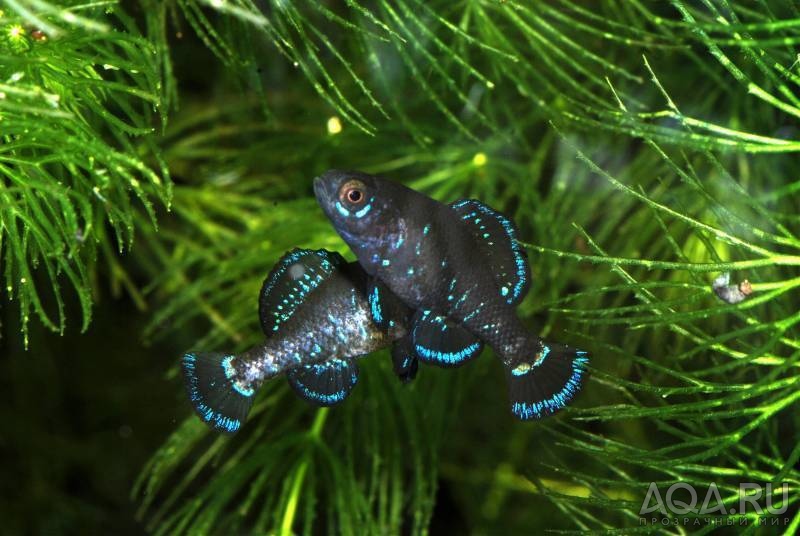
column 217, row 399
column 547, row 383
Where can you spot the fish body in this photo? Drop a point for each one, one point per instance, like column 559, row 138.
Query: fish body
column 318, row 320
column 462, row 270
column 313, row 308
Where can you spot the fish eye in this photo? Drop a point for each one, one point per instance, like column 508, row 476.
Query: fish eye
column 352, row 193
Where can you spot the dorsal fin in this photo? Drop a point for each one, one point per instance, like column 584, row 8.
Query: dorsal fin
column 439, row 341
column 291, row 280
column 497, row 237
column 326, row 383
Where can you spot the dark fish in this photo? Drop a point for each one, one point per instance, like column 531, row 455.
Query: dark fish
column 318, row 319
column 462, row 270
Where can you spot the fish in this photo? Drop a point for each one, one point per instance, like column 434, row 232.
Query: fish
column 320, row 314
column 462, row 270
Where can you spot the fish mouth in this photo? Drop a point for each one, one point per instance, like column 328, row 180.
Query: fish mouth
column 319, row 186
column 325, row 187
column 320, row 191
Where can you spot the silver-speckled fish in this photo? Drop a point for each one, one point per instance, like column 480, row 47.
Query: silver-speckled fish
column 318, row 320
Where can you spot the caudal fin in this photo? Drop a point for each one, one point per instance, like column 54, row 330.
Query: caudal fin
column 218, row 400
column 547, row 383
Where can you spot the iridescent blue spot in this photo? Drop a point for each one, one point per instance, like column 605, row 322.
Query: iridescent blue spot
column 426, row 229
column 375, row 305
column 410, row 271
column 385, row 262
column 322, row 398
column 473, row 314
column 544, row 354
column 504, row 291
column 449, row 358
column 521, row 370
column 343, row 211
column 364, row 211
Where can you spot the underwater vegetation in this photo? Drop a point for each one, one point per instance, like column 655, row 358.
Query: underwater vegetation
column 156, row 161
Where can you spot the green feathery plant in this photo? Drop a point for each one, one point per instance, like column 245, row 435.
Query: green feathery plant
column 75, row 97
column 642, row 148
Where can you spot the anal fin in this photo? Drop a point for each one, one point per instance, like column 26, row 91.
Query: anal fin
column 326, row 383
column 440, row 341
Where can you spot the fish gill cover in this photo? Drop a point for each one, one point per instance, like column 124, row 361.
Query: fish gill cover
column 163, row 150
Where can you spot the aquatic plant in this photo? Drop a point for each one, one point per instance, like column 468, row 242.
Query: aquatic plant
column 641, row 148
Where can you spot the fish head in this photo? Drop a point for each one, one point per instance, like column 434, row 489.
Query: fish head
column 360, row 208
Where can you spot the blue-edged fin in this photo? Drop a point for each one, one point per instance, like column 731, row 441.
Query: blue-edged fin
column 497, row 237
column 220, row 401
column 386, row 309
column 326, row 383
column 440, row 341
column 547, row 383
column 404, row 359
column 290, row 283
